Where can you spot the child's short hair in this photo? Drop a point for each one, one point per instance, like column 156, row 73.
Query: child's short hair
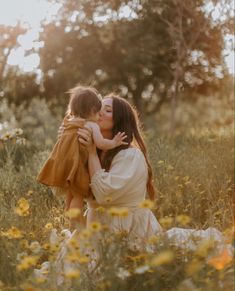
column 84, row 101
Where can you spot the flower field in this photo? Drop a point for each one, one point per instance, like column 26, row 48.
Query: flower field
column 194, row 175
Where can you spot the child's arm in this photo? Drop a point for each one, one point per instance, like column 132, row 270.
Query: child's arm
column 103, row 143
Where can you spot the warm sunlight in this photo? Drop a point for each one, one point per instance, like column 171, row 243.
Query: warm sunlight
column 31, row 12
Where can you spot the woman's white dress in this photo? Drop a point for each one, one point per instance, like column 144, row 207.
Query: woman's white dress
column 123, row 186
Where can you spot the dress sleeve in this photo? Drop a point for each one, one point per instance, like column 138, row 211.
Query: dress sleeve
column 123, row 174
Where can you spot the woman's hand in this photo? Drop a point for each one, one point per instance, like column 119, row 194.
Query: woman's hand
column 85, row 138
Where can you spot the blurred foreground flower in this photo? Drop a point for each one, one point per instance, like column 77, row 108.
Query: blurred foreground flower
column 72, row 274
column 12, row 233
column 95, row 226
column 221, row 261
column 166, row 221
column 162, row 258
column 27, row 262
column 22, row 208
column 48, row 226
column 183, row 219
column 147, row 204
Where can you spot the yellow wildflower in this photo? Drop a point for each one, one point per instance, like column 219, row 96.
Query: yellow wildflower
column 22, row 208
column 72, row 257
column 95, row 226
column 165, row 257
column 72, row 274
column 54, row 247
column 29, row 193
column 123, row 211
column 83, row 259
column 153, row 239
column 160, row 162
column 147, row 204
column 46, row 246
column 12, row 233
column 40, row 280
column 23, row 203
column 183, row 219
column 85, row 233
column 21, row 212
column 73, row 242
column 49, row 226
column 166, row 221
column 118, row 211
column 221, row 261
column 108, row 199
column 100, row 209
column 73, row 212
column 113, row 211
column 27, row 262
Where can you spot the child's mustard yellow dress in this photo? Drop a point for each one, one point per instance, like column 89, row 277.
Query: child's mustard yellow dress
column 67, row 166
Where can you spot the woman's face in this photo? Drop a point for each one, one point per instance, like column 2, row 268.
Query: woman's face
column 105, row 120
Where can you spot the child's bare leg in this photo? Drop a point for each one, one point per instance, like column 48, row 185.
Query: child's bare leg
column 68, row 199
column 77, row 202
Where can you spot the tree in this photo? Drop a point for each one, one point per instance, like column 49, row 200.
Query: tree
column 193, row 40
column 147, row 56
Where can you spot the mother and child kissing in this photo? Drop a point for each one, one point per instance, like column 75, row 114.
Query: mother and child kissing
column 66, row 169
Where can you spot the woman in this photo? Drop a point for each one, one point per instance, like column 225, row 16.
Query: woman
column 121, row 177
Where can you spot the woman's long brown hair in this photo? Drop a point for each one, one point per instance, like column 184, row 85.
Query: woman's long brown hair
column 125, row 119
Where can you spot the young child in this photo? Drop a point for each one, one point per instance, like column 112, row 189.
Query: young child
column 66, row 169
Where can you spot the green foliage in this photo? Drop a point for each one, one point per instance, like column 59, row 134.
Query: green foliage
column 136, row 55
